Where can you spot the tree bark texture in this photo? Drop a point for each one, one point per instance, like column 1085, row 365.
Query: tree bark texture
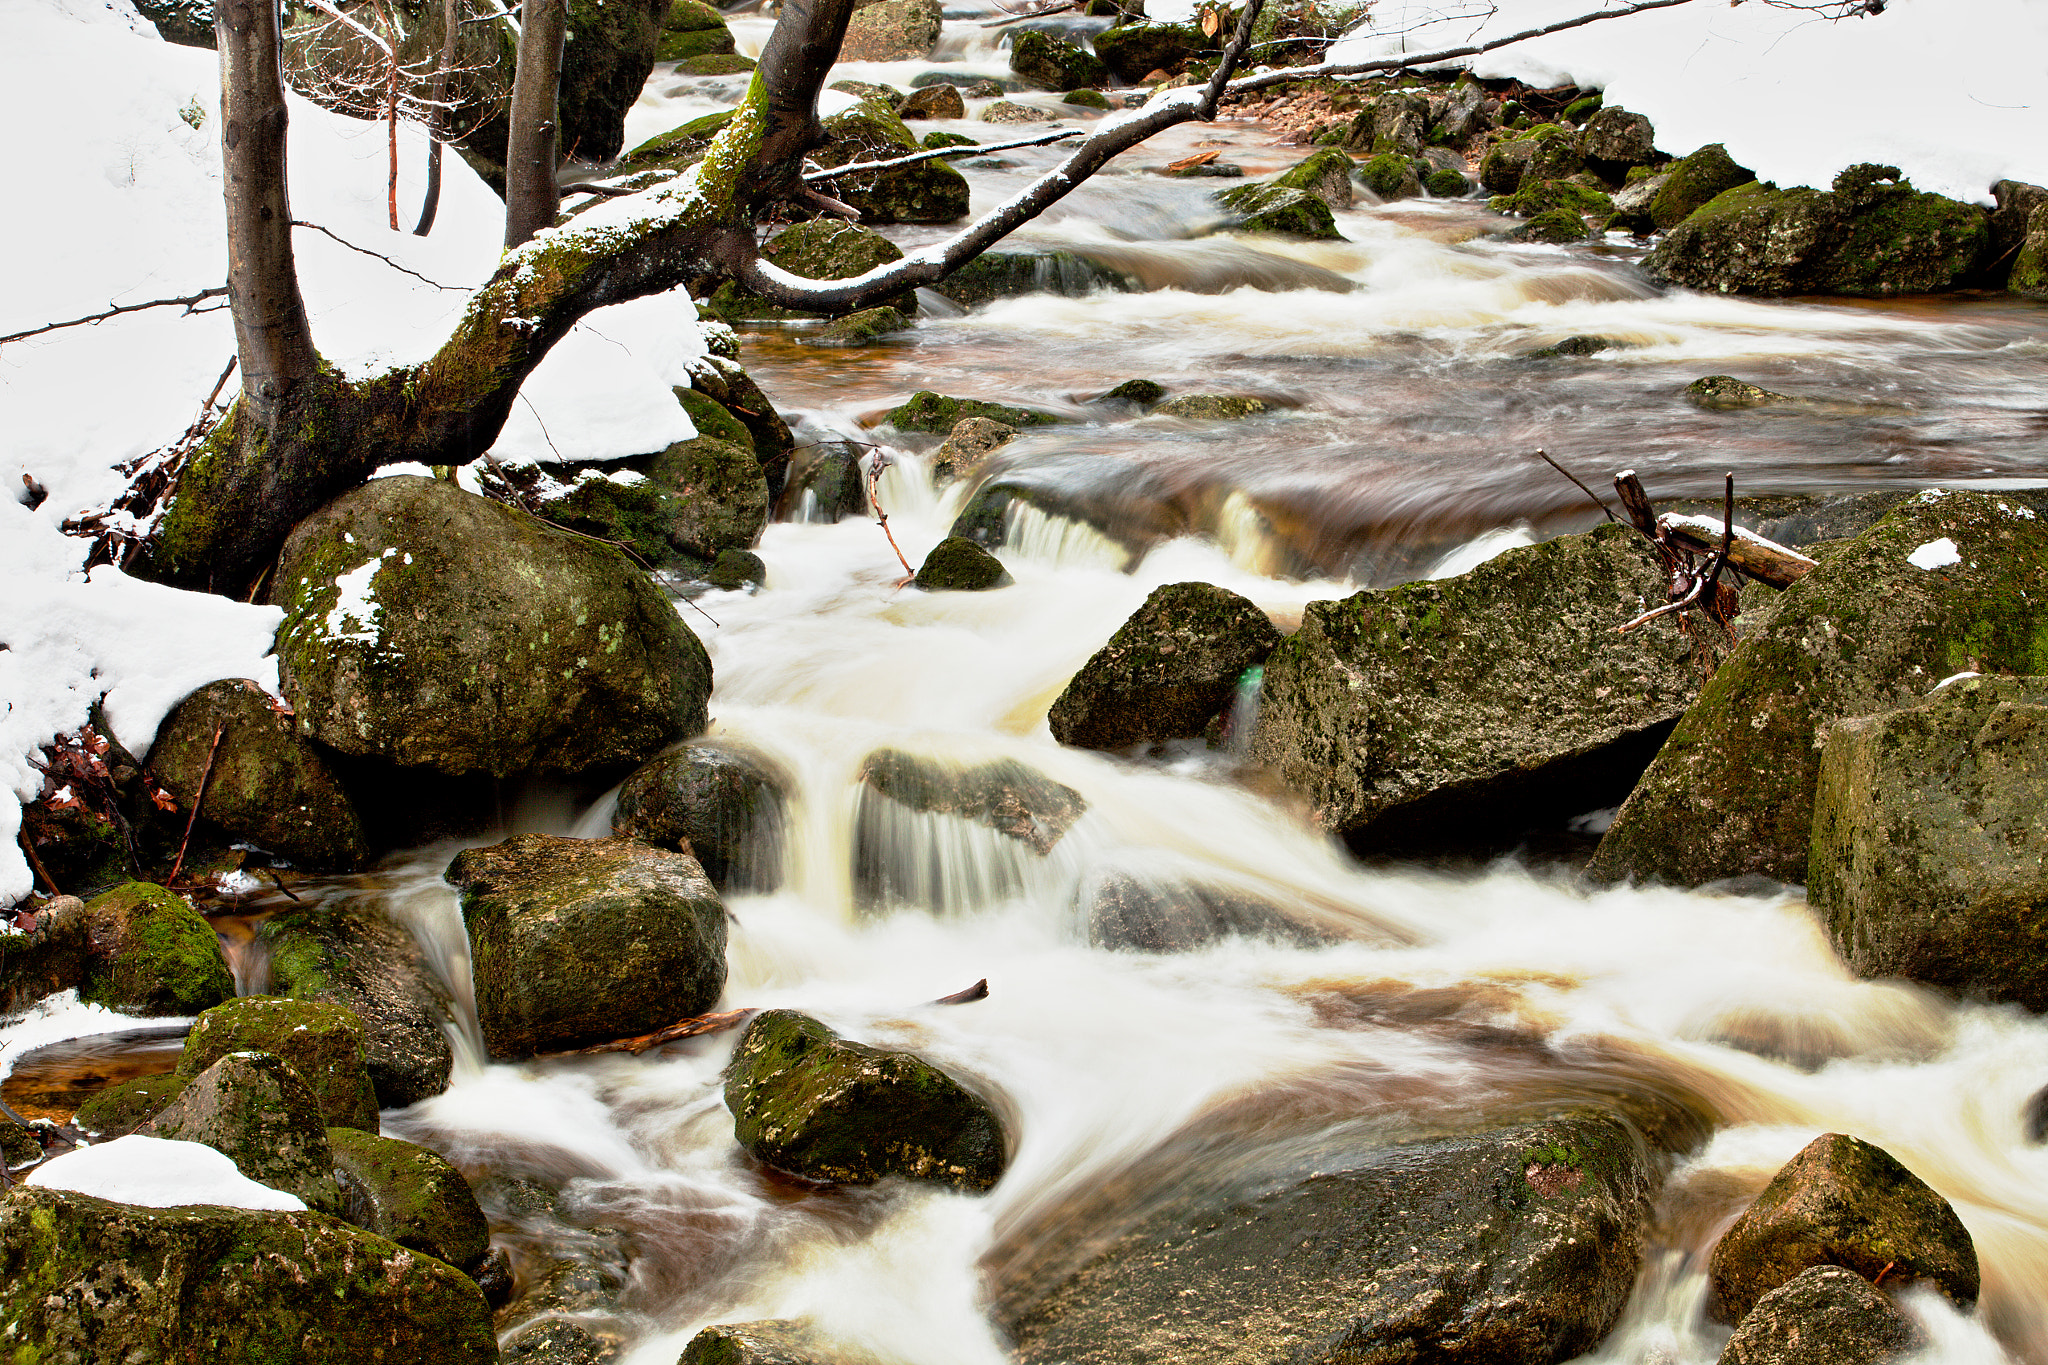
column 532, row 195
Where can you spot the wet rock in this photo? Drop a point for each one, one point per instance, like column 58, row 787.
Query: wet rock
column 1872, row 235
column 690, row 29
column 85, row 1279
column 967, row 448
column 254, row 1109
column 1134, row 51
column 580, row 941
column 1572, row 346
column 152, row 954
column 1558, row 227
column 722, row 808
column 1325, row 174
column 1930, row 840
column 829, row 486
column 348, row 952
column 1009, row 111
column 927, row 192
column 933, row 102
column 1271, row 208
column 1478, row 701
column 1695, row 181
column 892, row 31
column 1543, row 152
column 120, row 1109
column 1167, row 672
column 1842, row 1202
column 1868, row 631
column 47, row 959
column 468, row 637
column 1391, row 176
column 821, row 249
column 870, row 324
column 19, row 1147
column 1517, row 1244
column 818, row 1106
column 1151, row 915
column 1009, row 274
column 1447, row 184
column 771, row 1341
column 188, row 23
column 932, row 412
column 957, row 564
column 2029, row 275
column 1614, row 139
column 1051, row 62
column 1143, row 392
column 1003, row 794
column 1823, row 1316
column 1536, row 197
column 1126, row 502
column 322, row 1042
column 410, row 1195
column 1210, row 407
column 721, row 496
column 736, row 569
column 2015, row 202
column 558, row 1341
column 1726, row 393
column 264, row 783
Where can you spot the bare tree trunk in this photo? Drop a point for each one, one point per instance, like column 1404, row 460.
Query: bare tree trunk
column 271, row 331
column 437, row 115
column 532, row 195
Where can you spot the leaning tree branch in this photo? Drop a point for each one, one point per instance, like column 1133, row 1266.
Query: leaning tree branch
column 189, row 302
column 856, row 167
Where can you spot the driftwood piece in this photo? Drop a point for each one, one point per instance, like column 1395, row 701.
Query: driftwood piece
column 688, row 1028
column 1764, row 560
column 1636, row 503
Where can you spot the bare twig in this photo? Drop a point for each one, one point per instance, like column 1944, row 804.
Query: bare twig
column 1544, row 456
column 688, row 1028
column 190, row 303
column 365, row 251
column 198, row 798
column 35, row 864
column 876, row 464
column 816, row 177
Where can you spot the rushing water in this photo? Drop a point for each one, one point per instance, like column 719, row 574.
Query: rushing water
column 1417, row 1001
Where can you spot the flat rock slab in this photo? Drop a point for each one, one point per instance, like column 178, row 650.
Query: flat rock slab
column 1472, row 700
column 581, row 941
column 1514, row 1245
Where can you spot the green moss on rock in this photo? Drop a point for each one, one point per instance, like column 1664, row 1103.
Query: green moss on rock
column 818, row 1106
column 1391, row 176
column 1559, row 227
column 322, row 1042
column 927, row 192
column 410, row 1195
column 931, row 412
column 821, row 249
column 1325, row 174
column 1210, row 407
column 1272, row 208
column 120, row 1109
column 153, row 954
column 1050, row 62
column 870, row 324
column 957, row 564
column 1541, row 196
column 1695, row 181
column 1135, row 51
column 254, row 1109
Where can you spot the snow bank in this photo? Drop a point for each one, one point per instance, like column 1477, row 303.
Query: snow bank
column 156, row 1173
column 61, row 1017
column 1954, row 92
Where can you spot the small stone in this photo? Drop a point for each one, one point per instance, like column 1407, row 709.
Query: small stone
column 1823, row 1316
column 957, row 564
column 934, row 102
column 931, row 412
column 967, row 448
column 870, row 324
column 1009, row 111
column 736, row 569
column 1210, row 407
column 1086, row 99
column 1143, row 392
column 411, row 1195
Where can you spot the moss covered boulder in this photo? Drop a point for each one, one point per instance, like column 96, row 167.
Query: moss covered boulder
column 346, row 951
column 152, row 954
column 1930, row 840
column 2029, row 274
column 1843, row 1202
column 1391, row 176
column 264, row 782
column 1273, row 208
column 1325, row 174
column 927, row 192
column 1051, row 62
column 721, row 495
column 1483, row 699
column 892, row 31
column 1614, row 140
column 49, row 958
column 821, row 249
column 1135, row 51
column 1541, row 196
column 1167, row 672
column 771, row 1341
column 1555, row 227
column 254, row 1109
column 1544, row 151
column 692, row 28
column 433, row 628
column 1517, row 1244
column 941, row 101
column 87, row 1280
column 1695, row 181
column 1878, row 624
column 815, row 1105
column 322, row 1042
column 933, row 412
column 580, row 941
column 120, row 1109
column 1872, row 235
column 868, row 325
column 1210, row 407
column 725, row 809
column 1823, row 1316
column 409, row 1195
column 957, row 564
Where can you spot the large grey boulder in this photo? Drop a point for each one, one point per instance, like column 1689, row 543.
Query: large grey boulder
column 813, row 1104
column 254, row 1109
column 1930, row 840
column 580, row 941
column 1478, row 699
column 1518, row 1244
column 1167, row 672
column 83, row 1279
column 433, row 628
column 1823, row 1316
column 1870, row 630
column 1615, row 139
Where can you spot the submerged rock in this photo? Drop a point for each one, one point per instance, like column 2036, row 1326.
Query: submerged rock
column 580, row 941
column 254, row 1109
column 1823, row 1316
column 1842, row 1202
column 264, row 782
column 1154, row 915
column 772, row 1341
column 723, row 808
column 1726, row 393
column 1011, row 274
column 967, row 448
column 1167, row 672
column 1519, row 1244
column 957, row 564
column 1484, row 700
column 1002, row 794
column 322, row 1042
column 1210, row 407
column 84, row 1279
column 430, row 627
column 1930, row 840
column 411, row 1195
column 813, row 1104
column 1868, row 631
column 152, row 954
column 870, row 324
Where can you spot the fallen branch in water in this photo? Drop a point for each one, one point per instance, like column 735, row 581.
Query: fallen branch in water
column 1689, row 588
column 693, row 1027
column 978, row 991
column 1764, row 560
column 876, row 464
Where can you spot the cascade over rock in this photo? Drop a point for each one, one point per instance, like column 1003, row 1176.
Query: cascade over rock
column 723, row 808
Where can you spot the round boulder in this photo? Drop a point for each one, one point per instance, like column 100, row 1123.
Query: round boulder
column 152, row 954
column 1823, row 1316
column 721, row 807
column 434, row 628
column 957, row 564
column 411, row 1195
column 255, row 1110
column 580, row 941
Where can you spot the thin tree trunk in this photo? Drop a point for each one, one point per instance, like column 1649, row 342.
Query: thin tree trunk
column 271, row 331
column 532, row 196
column 437, row 114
